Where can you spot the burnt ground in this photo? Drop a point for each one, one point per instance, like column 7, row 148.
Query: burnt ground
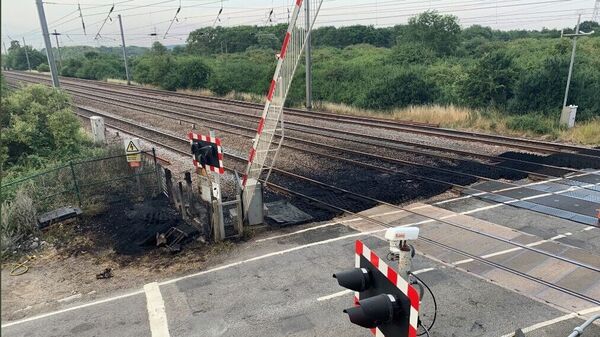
column 120, row 236
column 129, row 228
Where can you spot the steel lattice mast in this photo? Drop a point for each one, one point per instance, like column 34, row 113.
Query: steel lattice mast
column 596, row 15
column 264, row 150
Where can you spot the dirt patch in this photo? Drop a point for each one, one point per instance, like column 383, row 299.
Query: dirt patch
column 120, row 237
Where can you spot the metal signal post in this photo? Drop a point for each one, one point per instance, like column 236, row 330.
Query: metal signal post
column 124, row 50
column 47, row 43
column 58, row 49
column 308, row 54
column 564, row 117
column 26, row 54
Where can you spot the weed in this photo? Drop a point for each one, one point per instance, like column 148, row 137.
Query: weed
column 18, row 219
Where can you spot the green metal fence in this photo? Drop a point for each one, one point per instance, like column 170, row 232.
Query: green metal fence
column 85, row 183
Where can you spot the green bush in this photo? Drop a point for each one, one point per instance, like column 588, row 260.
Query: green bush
column 43, row 68
column 39, row 127
column 490, row 80
column 541, row 89
column 399, row 89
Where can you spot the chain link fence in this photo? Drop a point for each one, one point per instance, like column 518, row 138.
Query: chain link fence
column 84, row 183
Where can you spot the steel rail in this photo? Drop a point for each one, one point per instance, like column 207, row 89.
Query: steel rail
column 386, row 225
column 378, row 157
column 527, row 144
column 345, row 191
column 333, row 133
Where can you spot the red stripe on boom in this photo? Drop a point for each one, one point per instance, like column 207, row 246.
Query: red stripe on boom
column 284, row 46
column 358, row 247
column 298, row 3
column 271, row 90
column 375, row 260
column 251, row 156
column 261, row 125
column 392, row 275
column 413, row 296
column 412, row 332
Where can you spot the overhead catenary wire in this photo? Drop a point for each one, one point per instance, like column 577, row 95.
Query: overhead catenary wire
column 81, row 16
column 104, row 22
column 382, row 6
column 173, row 20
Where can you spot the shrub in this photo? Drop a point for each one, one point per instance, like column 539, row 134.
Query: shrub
column 541, row 89
column 192, row 72
column 18, row 219
column 399, row 89
column 43, row 68
column 40, row 125
column 489, row 81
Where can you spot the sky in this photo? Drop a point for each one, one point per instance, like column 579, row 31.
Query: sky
column 144, row 17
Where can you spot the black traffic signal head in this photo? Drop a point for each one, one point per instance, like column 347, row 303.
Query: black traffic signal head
column 384, row 300
column 375, row 311
column 205, row 153
column 357, row 279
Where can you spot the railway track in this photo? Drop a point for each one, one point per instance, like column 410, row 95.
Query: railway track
column 445, row 182
column 176, row 144
column 520, row 143
column 179, row 145
column 516, row 165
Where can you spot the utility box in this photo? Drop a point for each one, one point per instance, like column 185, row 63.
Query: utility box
column 568, row 115
column 98, row 135
column 255, row 214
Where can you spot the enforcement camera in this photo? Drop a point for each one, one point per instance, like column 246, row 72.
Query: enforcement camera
column 398, row 235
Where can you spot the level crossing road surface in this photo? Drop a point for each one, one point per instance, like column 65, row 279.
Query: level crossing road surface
column 283, row 286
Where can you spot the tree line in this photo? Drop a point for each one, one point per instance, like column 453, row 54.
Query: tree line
column 430, row 60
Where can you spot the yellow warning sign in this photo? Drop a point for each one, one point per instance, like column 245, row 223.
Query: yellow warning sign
column 132, row 150
column 131, row 147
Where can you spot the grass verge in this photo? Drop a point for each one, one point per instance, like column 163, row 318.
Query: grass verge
column 450, row 116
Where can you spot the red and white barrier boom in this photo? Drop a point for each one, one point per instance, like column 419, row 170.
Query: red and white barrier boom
column 264, row 152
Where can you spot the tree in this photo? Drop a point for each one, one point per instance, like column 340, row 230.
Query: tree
column 17, row 57
column 490, row 81
column 39, row 124
column 440, row 32
column 541, row 89
column 400, row 89
column 158, row 49
column 192, row 72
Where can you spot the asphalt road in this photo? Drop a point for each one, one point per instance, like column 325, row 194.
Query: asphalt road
column 278, row 290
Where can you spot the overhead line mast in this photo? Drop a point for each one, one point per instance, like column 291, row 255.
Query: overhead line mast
column 47, row 43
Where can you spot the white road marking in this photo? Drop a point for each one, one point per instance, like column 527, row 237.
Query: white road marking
column 570, row 189
column 234, row 264
column 510, row 250
column 77, row 307
column 334, row 295
column 281, row 252
column 157, row 316
column 424, row 270
column 556, row 320
column 260, row 258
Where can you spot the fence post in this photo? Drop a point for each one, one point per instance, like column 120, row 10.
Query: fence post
column 156, row 171
column 75, row 183
column 169, row 184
